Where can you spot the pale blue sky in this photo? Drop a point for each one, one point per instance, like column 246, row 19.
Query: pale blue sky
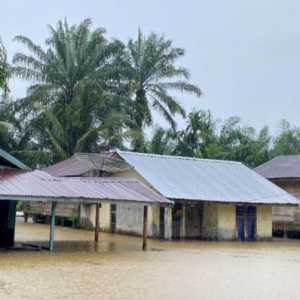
column 245, row 55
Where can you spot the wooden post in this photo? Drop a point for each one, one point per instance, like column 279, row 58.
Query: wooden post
column 145, row 227
column 97, row 222
column 52, row 226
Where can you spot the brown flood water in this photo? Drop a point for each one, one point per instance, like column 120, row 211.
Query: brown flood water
column 118, row 269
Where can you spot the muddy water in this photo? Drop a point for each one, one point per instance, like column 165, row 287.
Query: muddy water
column 118, row 269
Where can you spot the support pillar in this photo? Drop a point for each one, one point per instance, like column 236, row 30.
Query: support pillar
column 97, row 222
column 145, row 227
column 168, row 222
column 183, row 223
column 52, row 226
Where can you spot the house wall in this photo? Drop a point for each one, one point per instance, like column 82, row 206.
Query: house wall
column 263, row 222
column 287, row 214
column 88, row 216
column 219, row 222
column 226, row 222
column 130, row 216
column 210, row 221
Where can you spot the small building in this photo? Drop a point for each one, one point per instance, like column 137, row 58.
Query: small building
column 40, row 186
column 284, row 171
column 82, row 215
column 214, row 199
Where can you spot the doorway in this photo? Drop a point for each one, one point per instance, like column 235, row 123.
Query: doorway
column 162, row 214
column 194, row 217
column 113, row 218
column 7, row 223
column 246, row 222
column 176, row 220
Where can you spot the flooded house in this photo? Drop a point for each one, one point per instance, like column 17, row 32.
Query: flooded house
column 75, row 214
column 214, row 199
column 40, row 187
column 284, row 171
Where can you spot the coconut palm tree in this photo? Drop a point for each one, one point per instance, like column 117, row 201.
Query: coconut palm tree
column 4, row 70
column 72, row 89
column 152, row 74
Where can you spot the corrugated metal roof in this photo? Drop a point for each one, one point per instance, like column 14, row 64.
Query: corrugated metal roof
column 206, row 180
column 12, row 160
column 285, row 166
column 39, row 185
column 78, row 164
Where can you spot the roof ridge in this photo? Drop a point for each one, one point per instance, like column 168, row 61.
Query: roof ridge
column 179, row 157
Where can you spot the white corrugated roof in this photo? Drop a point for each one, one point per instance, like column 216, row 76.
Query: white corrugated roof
column 204, row 179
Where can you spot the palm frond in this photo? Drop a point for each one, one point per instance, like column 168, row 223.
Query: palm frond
column 164, row 111
column 27, row 73
column 85, row 139
column 160, row 94
column 182, row 86
column 61, row 153
column 31, row 46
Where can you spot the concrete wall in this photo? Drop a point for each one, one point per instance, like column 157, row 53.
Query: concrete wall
column 226, row 222
column 130, row 219
column 130, row 216
column 210, row 221
column 219, row 221
column 263, row 222
column 88, row 216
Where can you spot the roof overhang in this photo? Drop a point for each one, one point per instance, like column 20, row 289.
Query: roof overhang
column 40, row 186
column 197, row 201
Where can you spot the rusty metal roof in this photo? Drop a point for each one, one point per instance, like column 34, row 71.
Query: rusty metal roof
column 39, row 185
column 77, row 165
column 284, row 166
column 186, row 178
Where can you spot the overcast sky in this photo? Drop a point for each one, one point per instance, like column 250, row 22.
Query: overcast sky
column 245, row 55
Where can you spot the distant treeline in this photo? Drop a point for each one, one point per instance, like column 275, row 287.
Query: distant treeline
column 88, row 93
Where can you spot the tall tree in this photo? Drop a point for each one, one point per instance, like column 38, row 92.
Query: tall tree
column 72, row 94
column 4, row 70
column 152, row 74
column 199, row 137
column 288, row 140
column 163, row 141
column 242, row 143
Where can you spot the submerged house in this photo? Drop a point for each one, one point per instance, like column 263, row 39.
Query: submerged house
column 214, row 199
column 79, row 165
column 284, row 171
column 39, row 186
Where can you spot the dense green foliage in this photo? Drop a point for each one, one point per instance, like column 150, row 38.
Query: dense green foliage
column 88, row 93
column 205, row 137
